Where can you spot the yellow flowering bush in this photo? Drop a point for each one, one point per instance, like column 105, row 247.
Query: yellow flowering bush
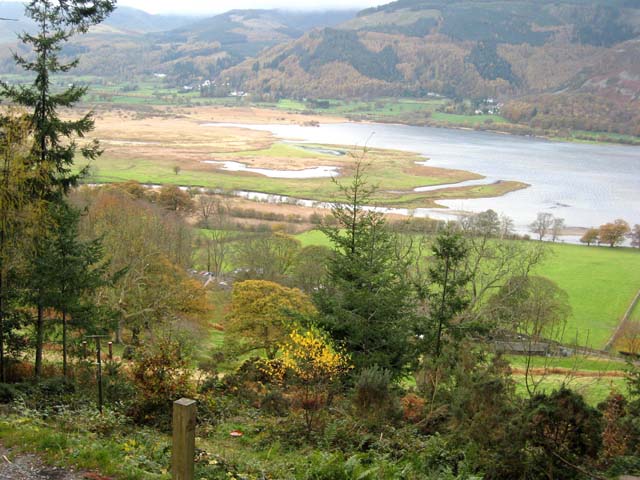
column 312, row 359
column 313, row 363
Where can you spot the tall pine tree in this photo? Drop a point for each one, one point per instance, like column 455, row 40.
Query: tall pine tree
column 66, row 272
column 366, row 305
column 447, row 292
column 53, row 147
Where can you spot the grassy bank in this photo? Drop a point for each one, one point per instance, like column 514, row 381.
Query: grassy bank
column 601, row 283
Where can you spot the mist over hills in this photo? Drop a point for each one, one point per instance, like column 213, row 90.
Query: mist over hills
column 124, row 19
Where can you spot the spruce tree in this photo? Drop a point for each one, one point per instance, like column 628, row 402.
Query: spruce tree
column 366, row 304
column 74, row 270
column 53, row 147
column 447, row 291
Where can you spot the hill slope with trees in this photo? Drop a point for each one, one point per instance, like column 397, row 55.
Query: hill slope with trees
column 560, row 59
column 134, row 43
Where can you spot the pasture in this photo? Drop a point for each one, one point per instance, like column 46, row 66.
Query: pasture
column 600, row 281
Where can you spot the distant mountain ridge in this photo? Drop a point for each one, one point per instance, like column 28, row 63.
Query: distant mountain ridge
column 125, row 19
column 552, row 63
column 466, row 49
column 132, row 42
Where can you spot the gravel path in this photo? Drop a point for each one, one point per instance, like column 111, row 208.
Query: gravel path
column 31, row 467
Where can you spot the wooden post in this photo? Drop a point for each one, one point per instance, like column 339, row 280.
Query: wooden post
column 99, row 374
column 111, row 351
column 184, row 439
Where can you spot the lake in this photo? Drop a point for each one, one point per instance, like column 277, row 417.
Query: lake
column 585, row 184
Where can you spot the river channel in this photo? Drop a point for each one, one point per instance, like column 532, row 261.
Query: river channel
column 586, row 184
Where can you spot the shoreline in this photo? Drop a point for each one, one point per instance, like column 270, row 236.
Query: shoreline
column 311, row 117
column 329, row 118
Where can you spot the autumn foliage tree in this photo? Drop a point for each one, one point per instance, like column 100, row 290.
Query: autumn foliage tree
column 175, row 199
column 590, row 236
column 613, row 234
column 262, row 315
column 161, row 372
column 149, row 250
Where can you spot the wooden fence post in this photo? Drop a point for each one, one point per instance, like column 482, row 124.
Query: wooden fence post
column 184, row 439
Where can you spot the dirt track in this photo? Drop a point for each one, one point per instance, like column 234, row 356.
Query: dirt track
column 31, row 467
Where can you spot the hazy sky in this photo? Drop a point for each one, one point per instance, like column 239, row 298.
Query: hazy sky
column 218, row 6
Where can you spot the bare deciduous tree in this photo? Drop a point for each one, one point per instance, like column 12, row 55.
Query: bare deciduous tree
column 542, row 224
column 556, row 228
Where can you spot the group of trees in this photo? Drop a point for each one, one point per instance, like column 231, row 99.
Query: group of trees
column 389, row 299
column 612, row 234
column 579, row 111
column 45, row 270
column 93, row 261
column 390, row 306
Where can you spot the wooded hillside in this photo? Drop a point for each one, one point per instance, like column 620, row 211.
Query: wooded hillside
column 574, row 50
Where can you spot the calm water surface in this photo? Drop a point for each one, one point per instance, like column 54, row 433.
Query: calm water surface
column 587, row 185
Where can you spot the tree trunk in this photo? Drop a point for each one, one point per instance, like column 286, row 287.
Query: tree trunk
column 3, row 287
column 444, row 296
column 3, row 376
column 119, row 332
column 3, row 370
column 64, row 343
column 39, row 341
column 135, row 333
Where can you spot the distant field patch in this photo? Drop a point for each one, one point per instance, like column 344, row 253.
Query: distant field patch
column 600, row 281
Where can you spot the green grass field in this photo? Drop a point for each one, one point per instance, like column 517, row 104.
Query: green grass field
column 577, row 362
column 600, row 281
column 593, row 389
